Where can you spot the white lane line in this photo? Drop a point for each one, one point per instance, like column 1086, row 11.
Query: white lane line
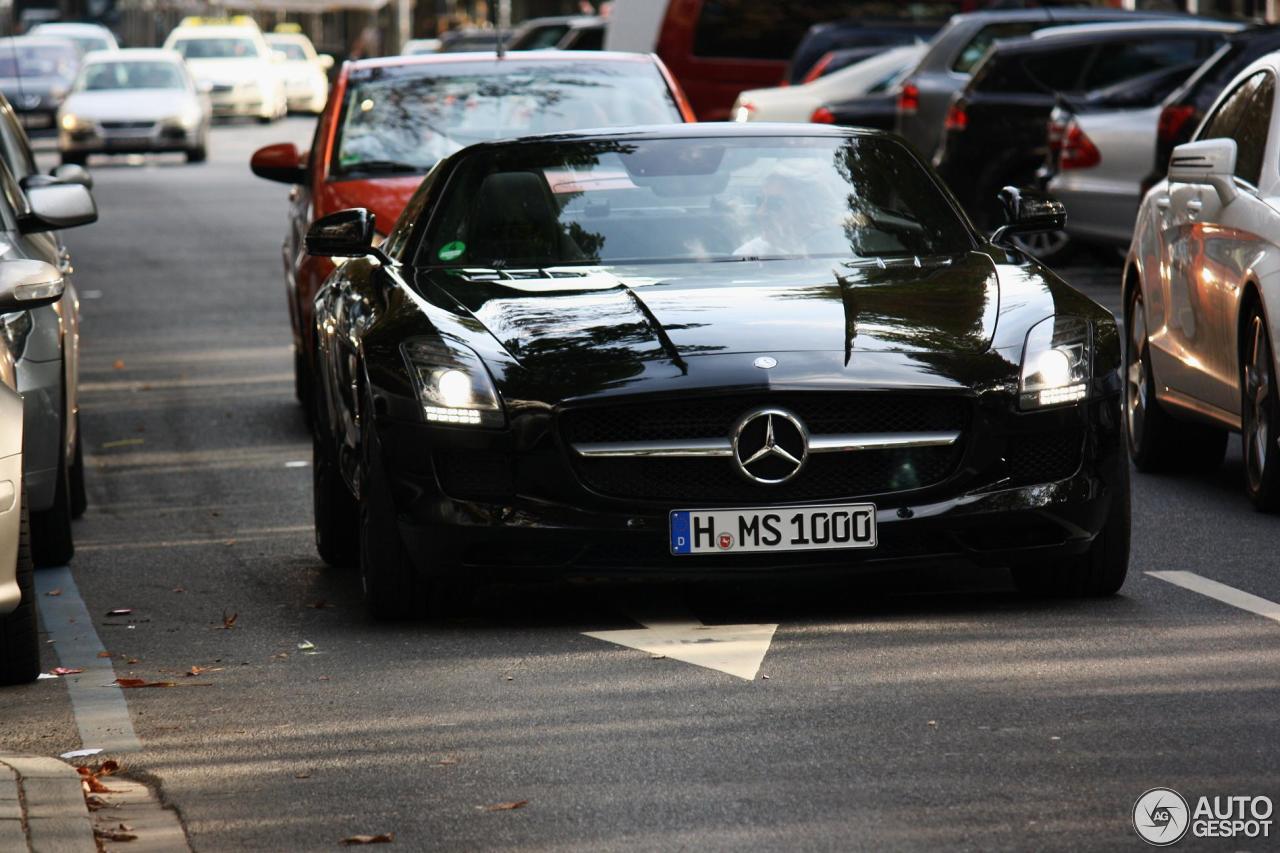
column 1221, row 592
column 99, row 706
column 736, row 650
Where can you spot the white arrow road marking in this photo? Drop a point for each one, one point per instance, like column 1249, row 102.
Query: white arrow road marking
column 1221, row 592
column 737, row 650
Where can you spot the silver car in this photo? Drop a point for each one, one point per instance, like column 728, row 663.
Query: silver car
column 24, row 285
column 134, row 100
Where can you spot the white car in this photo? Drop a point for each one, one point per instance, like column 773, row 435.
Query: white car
column 797, row 103
column 237, row 66
column 1202, row 294
column 306, row 73
column 135, row 100
column 87, row 37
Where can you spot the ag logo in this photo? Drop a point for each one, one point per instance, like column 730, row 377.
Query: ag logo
column 726, row 541
column 1161, row 817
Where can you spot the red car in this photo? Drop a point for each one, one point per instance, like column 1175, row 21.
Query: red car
column 389, row 120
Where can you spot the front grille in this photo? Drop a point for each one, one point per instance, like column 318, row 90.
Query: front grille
column 475, row 476
column 1043, row 457
column 128, row 125
column 689, row 481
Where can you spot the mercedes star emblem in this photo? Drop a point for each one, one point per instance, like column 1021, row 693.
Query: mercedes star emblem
column 766, row 362
column 770, row 446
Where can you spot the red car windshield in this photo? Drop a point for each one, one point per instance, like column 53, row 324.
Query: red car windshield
column 405, row 118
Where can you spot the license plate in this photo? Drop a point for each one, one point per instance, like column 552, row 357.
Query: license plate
column 36, row 120
column 741, row 531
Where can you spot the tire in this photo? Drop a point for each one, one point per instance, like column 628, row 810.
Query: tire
column 1158, row 442
column 1052, row 248
column 51, row 540
column 19, row 642
column 336, row 518
column 1259, row 414
column 303, row 381
column 1098, row 572
column 79, row 494
column 74, row 158
column 198, row 154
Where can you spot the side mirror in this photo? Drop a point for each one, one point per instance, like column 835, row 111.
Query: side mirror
column 345, row 234
column 28, row 284
column 204, row 87
column 1209, row 161
column 56, row 206
column 70, row 173
column 281, row 163
column 1029, row 211
column 325, row 60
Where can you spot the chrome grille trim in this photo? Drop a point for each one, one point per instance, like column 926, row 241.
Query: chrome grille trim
column 712, row 447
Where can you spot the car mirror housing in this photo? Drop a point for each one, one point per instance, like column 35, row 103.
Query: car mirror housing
column 71, row 173
column 345, row 234
column 26, row 284
column 55, row 206
column 281, row 163
column 325, row 60
column 1029, row 211
column 1208, row 161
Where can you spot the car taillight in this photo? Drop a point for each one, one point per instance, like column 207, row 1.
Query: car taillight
column 909, row 98
column 1078, row 150
column 822, row 115
column 1056, row 130
column 1172, row 120
column 957, row 118
column 819, row 67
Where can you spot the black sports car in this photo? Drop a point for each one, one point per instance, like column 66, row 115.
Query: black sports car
column 707, row 350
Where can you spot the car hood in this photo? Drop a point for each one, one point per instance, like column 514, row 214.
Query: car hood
column 385, row 197
column 228, row 70
column 677, row 312
column 130, row 105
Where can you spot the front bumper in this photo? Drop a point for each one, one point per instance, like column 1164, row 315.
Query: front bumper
column 10, row 529
column 980, row 516
column 155, row 136
column 238, row 103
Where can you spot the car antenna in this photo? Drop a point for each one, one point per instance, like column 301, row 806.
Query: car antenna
column 497, row 30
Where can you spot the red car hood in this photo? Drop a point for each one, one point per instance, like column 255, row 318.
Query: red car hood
column 385, row 197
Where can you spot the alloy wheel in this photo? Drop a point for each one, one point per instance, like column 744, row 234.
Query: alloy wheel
column 1136, row 373
column 1044, row 245
column 1258, row 387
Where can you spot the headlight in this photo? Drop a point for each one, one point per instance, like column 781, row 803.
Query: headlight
column 1056, row 363
column 452, row 384
column 70, row 122
column 16, row 327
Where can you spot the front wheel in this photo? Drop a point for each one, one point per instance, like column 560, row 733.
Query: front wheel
column 1098, row 572
column 334, row 507
column 79, row 494
column 51, row 540
column 19, row 642
column 74, row 158
column 198, row 154
column 1260, row 415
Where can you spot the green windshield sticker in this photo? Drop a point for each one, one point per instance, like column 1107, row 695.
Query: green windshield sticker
column 452, row 251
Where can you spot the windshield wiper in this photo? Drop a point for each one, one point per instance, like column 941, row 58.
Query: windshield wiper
column 384, row 166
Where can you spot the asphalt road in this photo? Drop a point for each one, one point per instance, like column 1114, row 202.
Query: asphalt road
column 909, row 712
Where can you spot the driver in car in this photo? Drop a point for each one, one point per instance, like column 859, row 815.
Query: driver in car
column 792, row 216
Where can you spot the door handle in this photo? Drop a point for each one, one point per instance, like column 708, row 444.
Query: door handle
column 1162, row 203
column 1193, row 207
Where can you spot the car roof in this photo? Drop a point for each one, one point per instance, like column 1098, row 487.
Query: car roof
column 1068, row 13
column 131, row 54
column 565, row 56
column 692, row 130
column 553, row 20
column 70, row 27
column 214, row 32
column 1103, row 35
column 1101, row 30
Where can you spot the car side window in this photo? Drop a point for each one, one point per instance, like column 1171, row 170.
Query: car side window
column 977, row 46
column 1222, row 122
column 1251, row 133
column 1125, row 60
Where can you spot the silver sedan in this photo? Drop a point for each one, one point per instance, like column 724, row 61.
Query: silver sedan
column 134, row 100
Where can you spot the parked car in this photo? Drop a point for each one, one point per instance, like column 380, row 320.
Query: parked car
column 35, row 76
column 414, row 47
column 233, row 60
column 306, row 73
column 88, row 37
column 472, row 39
column 1099, row 145
column 45, row 343
column 799, row 103
column 544, row 33
column 825, row 42
column 24, row 286
column 422, row 109
column 1184, row 109
column 875, row 108
column 994, row 133
column 557, row 367
column 134, row 100
column 584, row 35
column 944, row 70
column 1202, row 304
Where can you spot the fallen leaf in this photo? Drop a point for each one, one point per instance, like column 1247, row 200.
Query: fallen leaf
column 114, row 835
column 89, row 781
column 445, row 762
column 104, row 654
column 95, row 802
column 200, row 670
column 119, row 364
column 178, row 589
column 306, row 646
column 280, row 656
column 108, row 767
column 306, row 775
column 319, row 605
column 120, row 611
column 123, row 442
column 142, row 682
column 384, row 838
column 229, row 542
column 506, row 807
column 228, row 622
column 125, row 827
column 54, row 592
column 132, row 661
column 66, row 670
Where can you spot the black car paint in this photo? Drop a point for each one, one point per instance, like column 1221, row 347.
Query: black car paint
column 953, row 326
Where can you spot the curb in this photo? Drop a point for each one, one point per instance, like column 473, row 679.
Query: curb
column 43, row 809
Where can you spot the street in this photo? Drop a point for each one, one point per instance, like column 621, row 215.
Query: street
column 912, row 711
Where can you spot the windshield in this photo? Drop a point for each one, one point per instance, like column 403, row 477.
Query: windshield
column 716, row 199
column 291, row 50
column 217, row 48
column 405, row 119
column 46, row 60
column 100, row 76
